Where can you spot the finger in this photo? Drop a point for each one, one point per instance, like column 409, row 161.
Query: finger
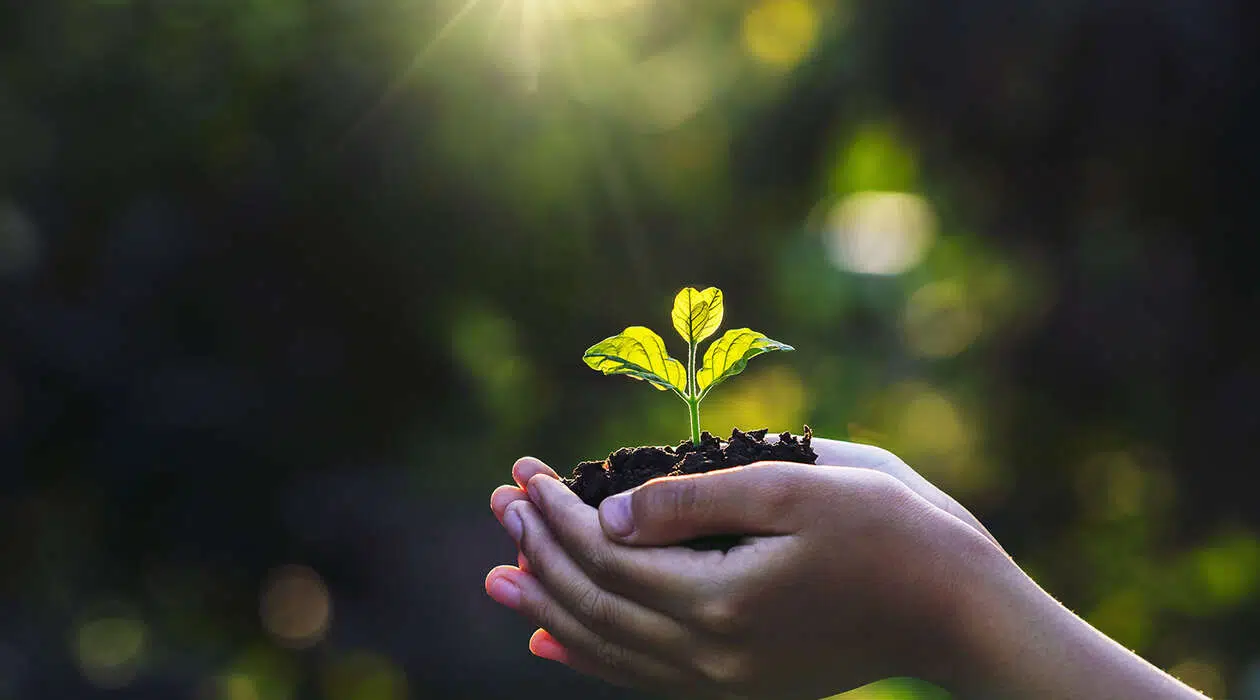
column 848, row 454
column 851, row 454
column 545, row 646
column 503, row 497
column 526, row 467
column 757, row 499
column 666, row 579
column 596, row 655
column 499, row 501
column 604, row 612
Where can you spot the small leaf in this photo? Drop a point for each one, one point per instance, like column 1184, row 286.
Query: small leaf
column 638, row 353
column 729, row 355
column 697, row 314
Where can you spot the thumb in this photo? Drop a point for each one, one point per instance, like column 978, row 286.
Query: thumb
column 757, row 499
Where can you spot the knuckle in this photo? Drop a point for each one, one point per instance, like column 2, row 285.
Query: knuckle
column 670, row 500
column 540, row 609
column 885, row 502
column 727, row 670
column 782, row 494
column 891, row 490
column 599, row 563
column 595, row 606
column 878, row 457
column 538, row 560
column 608, row 655
column 721, row 615
column 686, row 495
column 527, row 541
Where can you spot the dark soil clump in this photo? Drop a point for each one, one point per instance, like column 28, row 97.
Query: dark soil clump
column 633, row 466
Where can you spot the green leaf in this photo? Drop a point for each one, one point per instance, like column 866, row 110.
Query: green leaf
column 729, row 355
column 697, row 314
column 638, row 353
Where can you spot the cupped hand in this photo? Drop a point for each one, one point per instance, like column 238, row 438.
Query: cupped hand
column 851, row 454
column 836, row 453
column 839, row 582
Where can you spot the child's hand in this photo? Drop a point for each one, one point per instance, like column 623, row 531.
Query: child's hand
column 840, row 585
column 851, row 573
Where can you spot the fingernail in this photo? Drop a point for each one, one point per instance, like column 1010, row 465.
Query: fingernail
column 505, row 592
column 547, row 649
column 512, row 521
column 615, row 512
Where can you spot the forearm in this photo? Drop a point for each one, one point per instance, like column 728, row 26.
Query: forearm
column 1015, row 641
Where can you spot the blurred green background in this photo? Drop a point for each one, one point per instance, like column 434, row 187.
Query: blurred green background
column 286, row 286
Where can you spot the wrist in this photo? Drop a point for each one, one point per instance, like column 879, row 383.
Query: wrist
column 973, row 583
column 1005, row 637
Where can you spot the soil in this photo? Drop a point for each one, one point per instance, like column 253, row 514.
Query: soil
column 633, row 466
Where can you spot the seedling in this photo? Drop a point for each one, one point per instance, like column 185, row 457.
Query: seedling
column 639, row 353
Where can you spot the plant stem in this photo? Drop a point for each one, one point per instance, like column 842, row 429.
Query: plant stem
column 693, row 393
column 691, row 371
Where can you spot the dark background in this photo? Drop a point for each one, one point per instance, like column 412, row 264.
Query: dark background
column 289, row 283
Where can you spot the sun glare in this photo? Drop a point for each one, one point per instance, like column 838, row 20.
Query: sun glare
column 529, row 30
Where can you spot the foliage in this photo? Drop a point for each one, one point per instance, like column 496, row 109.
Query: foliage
column 639, row 353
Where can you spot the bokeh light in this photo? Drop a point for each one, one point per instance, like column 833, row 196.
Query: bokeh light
column 940, row 320
column 880, row 233
column 484, row 343
column 772, row 398
column 364, row 676
column 236, row 686
column 1228, row 569
column 295, row 606
column 1125, row 616
column 111, row 649
column 673, row 86
column 1201, row 675
column 1123, row 483
column 874, row 157
column 931, row 429
column 932, row 425
column 653, row 93
column 780, row 33
column 260, row 672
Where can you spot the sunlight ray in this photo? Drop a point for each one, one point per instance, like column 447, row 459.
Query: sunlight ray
column 497, row 20
column 395, row 87
column 531, row 43
column 614, row 182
